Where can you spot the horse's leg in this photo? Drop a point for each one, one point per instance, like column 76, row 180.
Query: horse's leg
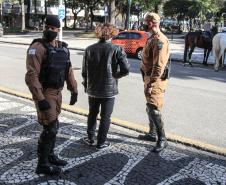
column 185, row 55
column 207, row 56
column 223, row 58
column 186, row 49
column 204, row 58
column 190, row 54
column 217, row 60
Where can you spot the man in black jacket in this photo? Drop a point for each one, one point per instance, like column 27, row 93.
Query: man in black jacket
column 103, row 64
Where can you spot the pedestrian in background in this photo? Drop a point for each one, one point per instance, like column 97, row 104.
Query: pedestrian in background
column 48, row 67
column 207, row 26
column 154, row 61
column 103, row 64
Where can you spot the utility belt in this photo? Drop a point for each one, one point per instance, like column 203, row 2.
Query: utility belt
column 52, row 90
column 166, row 72
column 147, row 74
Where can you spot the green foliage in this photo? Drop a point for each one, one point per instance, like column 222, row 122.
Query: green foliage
column 223, row 8
column 144, row 5
column 192, row 8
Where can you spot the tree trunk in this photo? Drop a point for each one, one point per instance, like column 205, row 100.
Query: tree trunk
column 86, row 18
column 22, row 15
column 75, row 18
column 112, row 12
column 65, row 19
column 91, row 17
column 127, row 22
column 28, row 14
column 45, row 8
column 35, row 6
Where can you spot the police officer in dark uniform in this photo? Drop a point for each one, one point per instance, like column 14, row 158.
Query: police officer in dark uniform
column 48, row 67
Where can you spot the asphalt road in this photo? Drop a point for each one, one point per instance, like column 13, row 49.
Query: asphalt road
column 127, row 161
column 195, row 101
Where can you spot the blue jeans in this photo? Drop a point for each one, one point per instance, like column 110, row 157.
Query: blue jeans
column 107, row 105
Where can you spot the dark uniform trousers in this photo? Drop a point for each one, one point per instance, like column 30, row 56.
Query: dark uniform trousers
column 156, row 122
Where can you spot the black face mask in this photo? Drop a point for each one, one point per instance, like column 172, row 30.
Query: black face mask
column 49, row 35
column 145, row 27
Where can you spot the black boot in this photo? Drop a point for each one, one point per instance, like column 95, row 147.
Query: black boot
column 160, row 145
column 44, row 167
column 162, row 141
column 53, row 159
column 157, row 120
column 151, row 136
column 44, row 147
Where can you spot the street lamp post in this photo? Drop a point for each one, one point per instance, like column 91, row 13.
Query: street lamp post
column 1, row 12
column 22, row 15
column 128, row 13
column 61, row 15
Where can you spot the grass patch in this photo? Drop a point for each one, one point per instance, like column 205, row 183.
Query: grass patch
column 9, row 31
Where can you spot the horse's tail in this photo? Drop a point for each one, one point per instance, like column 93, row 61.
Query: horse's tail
column 186, row 47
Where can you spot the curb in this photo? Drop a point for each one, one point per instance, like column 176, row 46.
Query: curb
column 83, row 49
column 26, row 44
column 132, row 126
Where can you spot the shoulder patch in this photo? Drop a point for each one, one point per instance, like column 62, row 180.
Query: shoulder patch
column 160, row 45
column 32, row 51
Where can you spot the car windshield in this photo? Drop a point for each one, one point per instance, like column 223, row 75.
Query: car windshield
column 121, row 35
column 135, row 36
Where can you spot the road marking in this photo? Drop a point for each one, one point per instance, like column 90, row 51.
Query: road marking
column 133, row 126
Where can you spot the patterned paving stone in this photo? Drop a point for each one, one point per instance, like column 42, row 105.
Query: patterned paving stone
column 127, row 161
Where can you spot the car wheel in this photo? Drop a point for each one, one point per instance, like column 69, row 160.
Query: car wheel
column 139, row 53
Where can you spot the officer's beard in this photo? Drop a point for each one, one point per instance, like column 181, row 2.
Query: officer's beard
column 155, row 30
column 49, row 35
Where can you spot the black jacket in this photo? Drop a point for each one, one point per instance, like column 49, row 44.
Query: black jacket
column 103, row 64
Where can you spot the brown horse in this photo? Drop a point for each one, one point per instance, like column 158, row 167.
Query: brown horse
column 197, row 39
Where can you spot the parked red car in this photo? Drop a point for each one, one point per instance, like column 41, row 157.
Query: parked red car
column 132, row 41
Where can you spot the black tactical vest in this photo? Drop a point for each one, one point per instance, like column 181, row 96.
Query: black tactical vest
column 54, row 70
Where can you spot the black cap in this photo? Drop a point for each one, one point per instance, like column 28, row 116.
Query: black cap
column 52, row 20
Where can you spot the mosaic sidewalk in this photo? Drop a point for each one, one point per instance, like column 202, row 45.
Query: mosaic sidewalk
column 127, row 161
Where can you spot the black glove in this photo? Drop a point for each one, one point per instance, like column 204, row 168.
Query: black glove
column 43, row 105
column 74, row 97
column 85, row 86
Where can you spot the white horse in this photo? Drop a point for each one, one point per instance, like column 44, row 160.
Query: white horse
column 219, row 49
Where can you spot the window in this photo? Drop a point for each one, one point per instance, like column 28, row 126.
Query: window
column 122, row 36
column 134, row 36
